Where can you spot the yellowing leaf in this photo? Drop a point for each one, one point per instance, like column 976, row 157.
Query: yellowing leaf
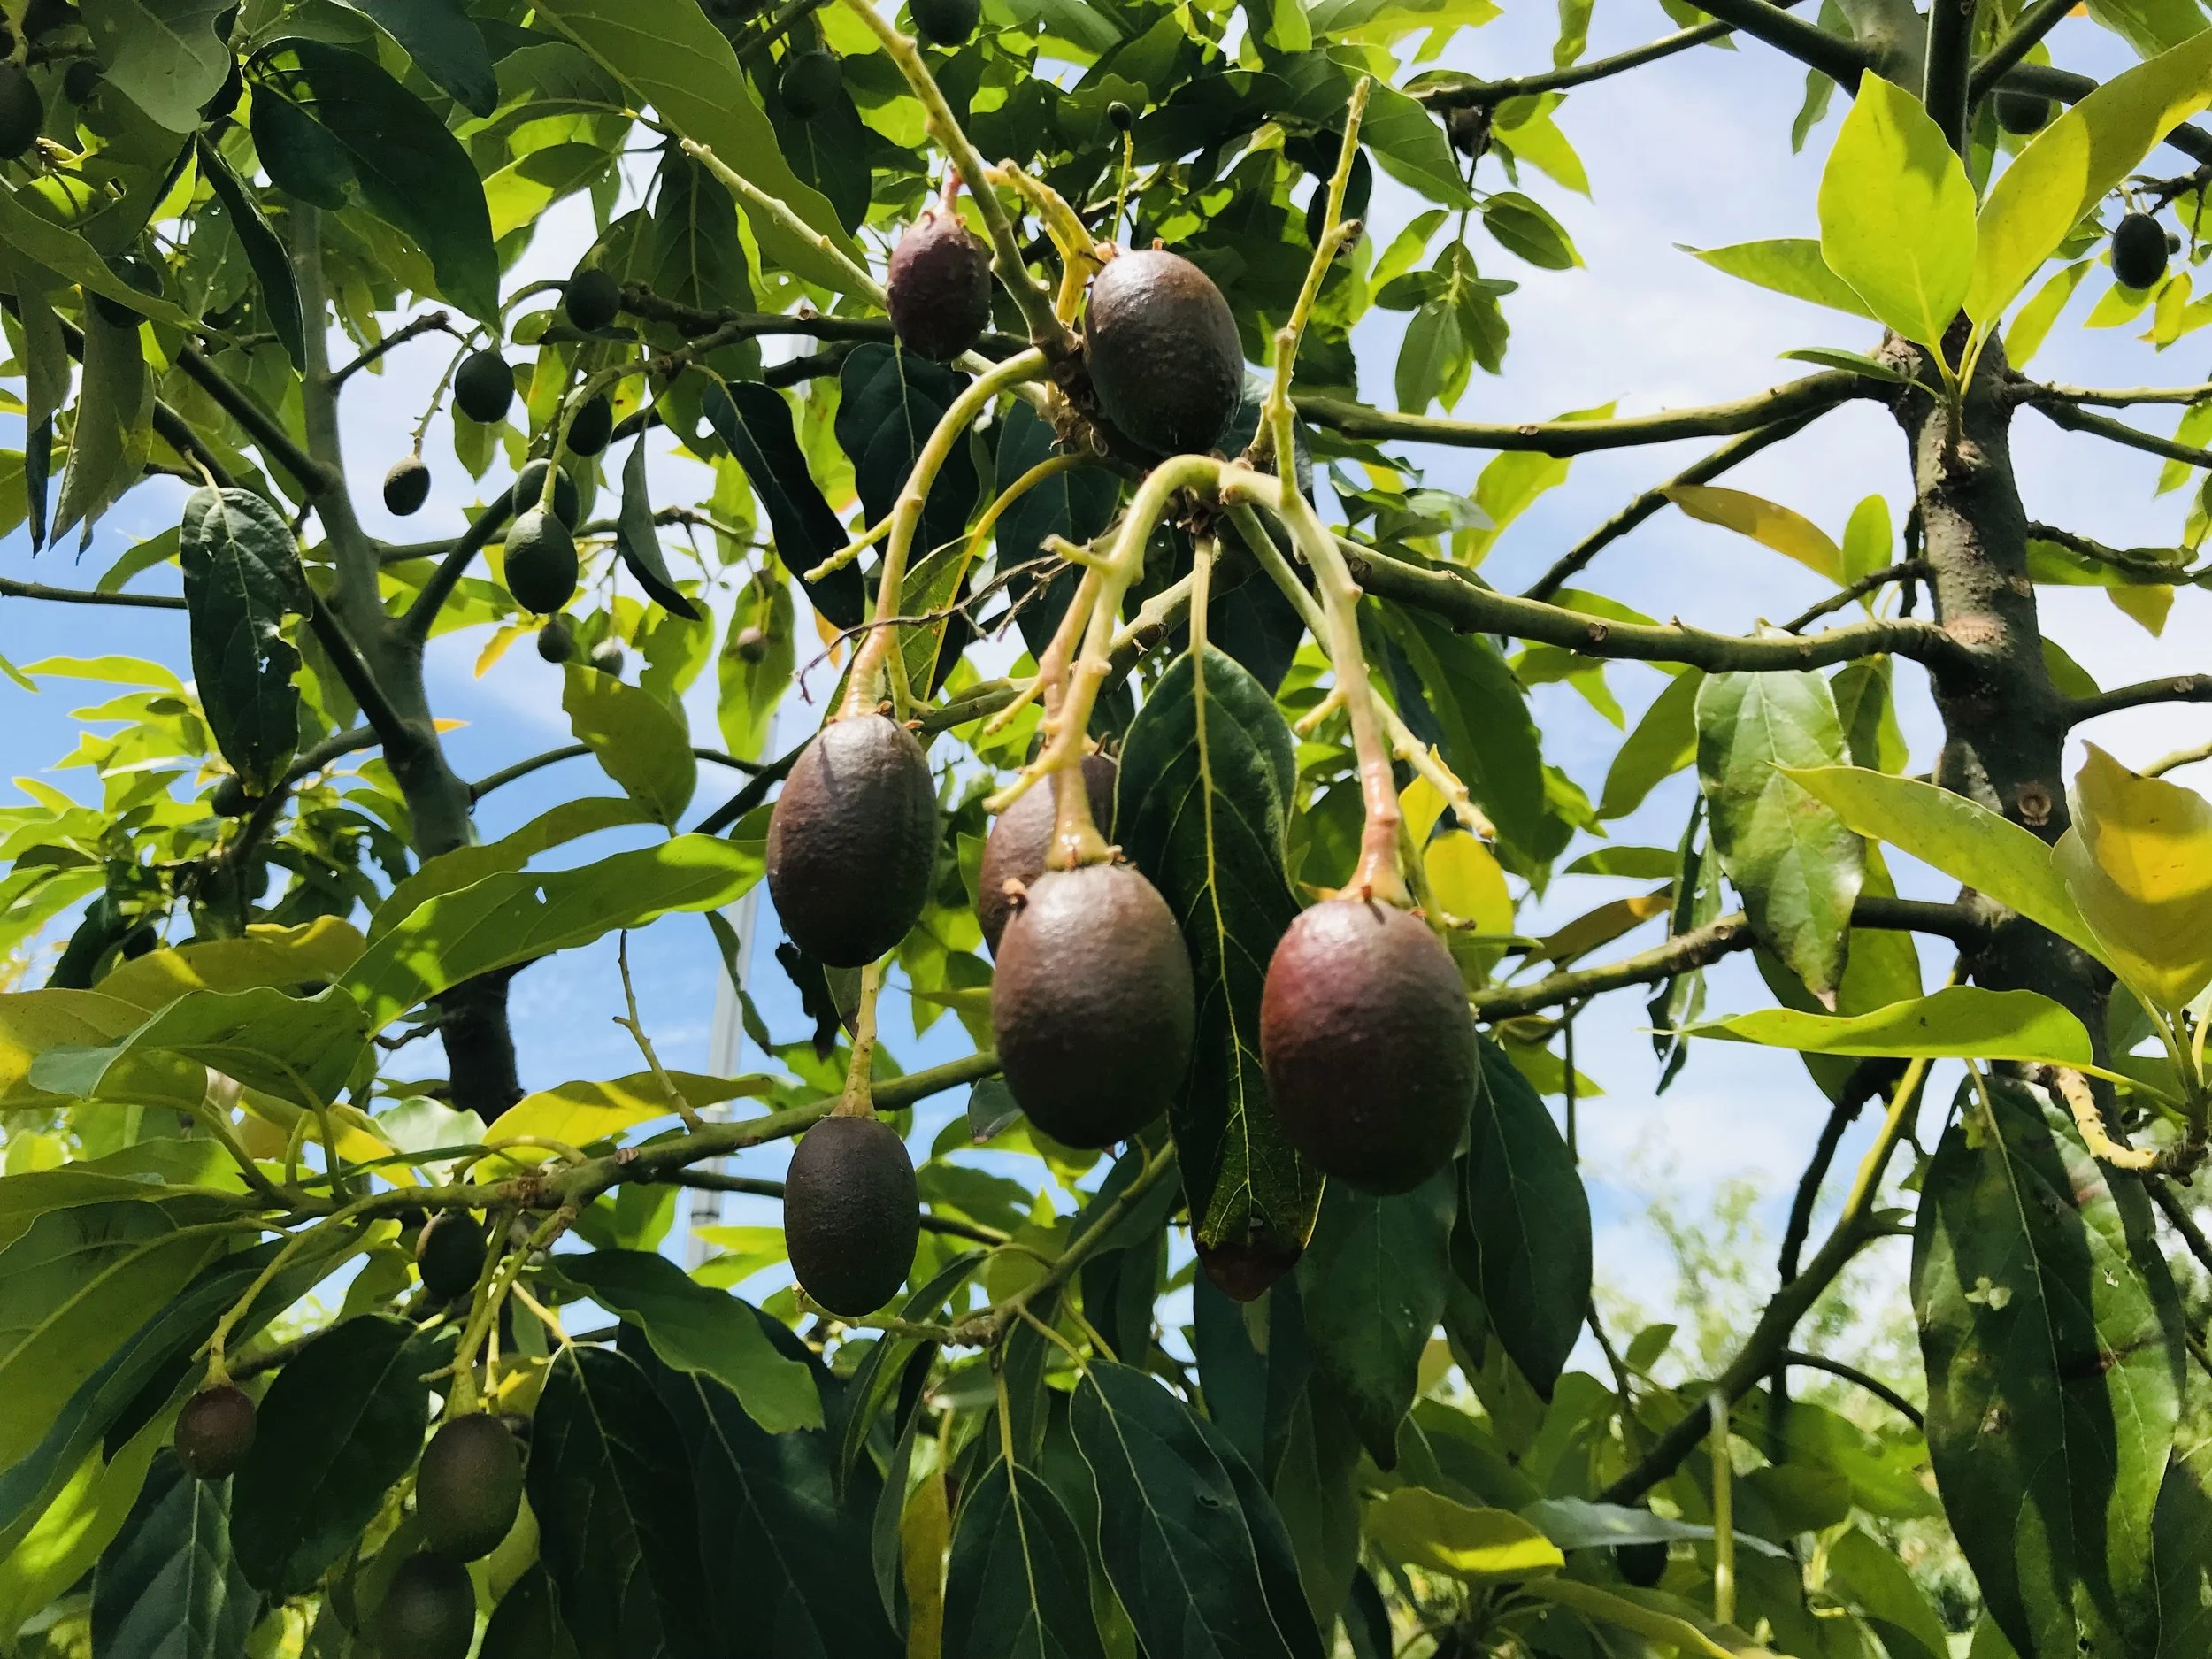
column 577, row 1113
column 1897, row 214
column 285, row 957
column 1958, row 1022
column 1420, row 803
column 1467, row 882
column 2145, row 602
column 1767, row 523
column 2138, row 864
column 1428, row 1530
column 32, row 1022
column 1602, row 925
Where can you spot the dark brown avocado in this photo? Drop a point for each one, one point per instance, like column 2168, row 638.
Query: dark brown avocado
column 938, row 288
column 1022, row 835
column 852, row 843
column 1162, row 346
column 851, row 1214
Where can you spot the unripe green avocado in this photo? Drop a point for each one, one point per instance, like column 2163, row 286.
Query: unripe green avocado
column 429, row 1611
column 810, row 82
column 468, row 1489
column 590, row 427
column 530, row 490
column 851, row 1214
column 406, row 487
column 484, row 387
column 608, row 658
column 1162, row 351
column 541, row 562
column 22, row 112
column 230, row 799
column 946, row 23
column 2139, row 251
column 592, row 298
column 449, row 1254
column 215, row 1431
column 1643, row 1565
column 2021, row 114
column 556, row 641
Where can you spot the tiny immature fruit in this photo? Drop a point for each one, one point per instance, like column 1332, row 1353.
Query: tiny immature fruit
column 590, row 426
column 2139, row 251
column 230, row 799
column 1093, row 1004
column 851, row 1214
column 541, row 562
column 852, row 842
column 1020, row 839
column 2021, row 114
column 449, row 1254
column 429, row 1611
column 556, row 641
column 468, row 1489
column 751, row 645
column 607, row 656
column 810, row 82
column 215, row 1431
column 1164, row 354
column 406, row 487
column 937, row 288
column 592, row 298
column 1643, row 1565
column 1368, row 1045
column 946, row 23
column 484, row 387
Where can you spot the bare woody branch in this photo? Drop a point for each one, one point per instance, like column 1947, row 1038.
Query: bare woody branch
column 2142, row 564
column 11, row 589
column 2034, row 23
column 2069, row 88
column 1465, row 92
column 2077, row 420
column 2121, row 397
column 2175, row 688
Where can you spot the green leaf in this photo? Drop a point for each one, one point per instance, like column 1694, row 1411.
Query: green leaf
column 1963, row 838
column 1868, row 543
column 2074, row 163
column 640, row 547
column 1205, row 822
column 2181, row 1532
column 1897, row 214
column 448, row 872
column 2138, row 861
column 1374, row 1282
column 2033, row 323
column 299, row 153
column 272, row 267
column 1522, row 227
column 641, row 743
column 167, row 1588
column 1792, row 266
column 1528, row 1221
column 889, row 403
column 1171, row 1535
column 527, row 1624
column 1794, row 860
column 513, row 918
column 1580, row 1523
column 340, row 1423
column 446, row 45
column 1076, row 505
column 618, row 1531
column 69, row 255
column 113, row 405
column 2053, row 1338
column 414, row 173
column 670, row 55
column 1959, row 1022
column 165, row 56
column 61, row 1549
column 301, row 1049
column 751, row 689
column 756, row 422
column 1663, row 742
column 1490, row 737
column 696, row 1329
column 1430, row 1531
column 1850, row 362
column 1879, row 1588
column 787, row 1551
column 1017, row 1586
column 1770, row 525
column 242, row 578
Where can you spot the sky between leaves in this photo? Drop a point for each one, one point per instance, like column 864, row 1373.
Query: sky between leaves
column 1690, row 150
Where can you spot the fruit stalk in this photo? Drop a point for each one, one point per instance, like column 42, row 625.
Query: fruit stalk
column 858, row 1099
column 1045, row 327
column 877, row 658
column 760, row 201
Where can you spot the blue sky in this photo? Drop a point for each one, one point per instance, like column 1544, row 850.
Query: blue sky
column 1693, row 150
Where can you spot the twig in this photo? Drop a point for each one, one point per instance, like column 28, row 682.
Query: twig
column 636, row 1029
column 2074, row 418
column 2174, row 688
column 11, row 589
column 1859, row 589
column 433, row 322
column 577, row 751
column 2180, row 758
column 2031, row 27
column 1874, row 1386
column 1468, row 93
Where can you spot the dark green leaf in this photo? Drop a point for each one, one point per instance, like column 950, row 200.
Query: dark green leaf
column 1075, row 505
column 299, row 154
column 1523, row 227
column 167, row 1588
column 343, row 1421
column 1287, row 1600
column 2181, row 1529
column 1373, row 1283
column 165, row 56
column 242, row 576
column 113, row 403
column 1528, row 1222
column 891, row 403
column 881, row 1367
column 446, row 45
column 618, row 1533
column 414, row 173
column 526, row 1624
column 272, row 268
column 2053, row 1339
column 829, row 150
column 1171, row 1532
column 1017, row 1587
column 1205, row 823
column 640, row 547
column 38, row 462
column 786, row 1553
column 756, row 422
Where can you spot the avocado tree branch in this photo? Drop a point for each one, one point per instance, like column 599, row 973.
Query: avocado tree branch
column 2077, row 420
column 1735, row 450
column 1874, row 1386
column 2069, row 88
column 1463, row 92
column 1903, row 570
column 431, row 322
column 1947, row 67
column 1815, row 394
column 2142, row 564
column 12, row 589
column 2033, row 24
column 2034, row 392
column 400, row 738
column 2174, row 688
column 1841, row 60
column 577, row 751
column 2177, row 759
column 268, row 434
column 423, row 613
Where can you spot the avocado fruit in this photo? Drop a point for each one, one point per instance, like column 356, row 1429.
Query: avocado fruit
column 1021, row 837
column 810, row 82
column 468, row 1488
column 1162, row 347
column 230, row 799
column 80, row 82
column 1093, row 1004
column 22, row 112
column 751, row 644
column 406, row 487
column 134, row 273
column 937, row 288
column 946, row 23
column 215, row 1431
column 608, row 657
column 541, row 562
column 529, row 490
column 1643, row 1565
column 556, row 641
column 592, row 298
column 1368, row 1045
column 484, row 387
column 449, row 1254
column 429, row 1610
column 851, row 1214
column 2021, row 114
column 590, row 426
column 852, row 843
column 2139, row 251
